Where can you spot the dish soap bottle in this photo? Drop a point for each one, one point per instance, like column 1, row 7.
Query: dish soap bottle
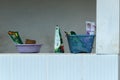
column 58, row 45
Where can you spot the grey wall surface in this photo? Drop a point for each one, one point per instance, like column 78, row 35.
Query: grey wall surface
column 36, row 19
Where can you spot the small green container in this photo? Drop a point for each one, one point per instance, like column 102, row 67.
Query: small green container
column 80, row 43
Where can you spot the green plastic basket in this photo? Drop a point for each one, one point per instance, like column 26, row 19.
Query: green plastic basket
column 80, row 43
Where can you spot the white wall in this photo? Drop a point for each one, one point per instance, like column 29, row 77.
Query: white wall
column 107, row 27
column 119, row 68
column 58, row 67
column 36, row 19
